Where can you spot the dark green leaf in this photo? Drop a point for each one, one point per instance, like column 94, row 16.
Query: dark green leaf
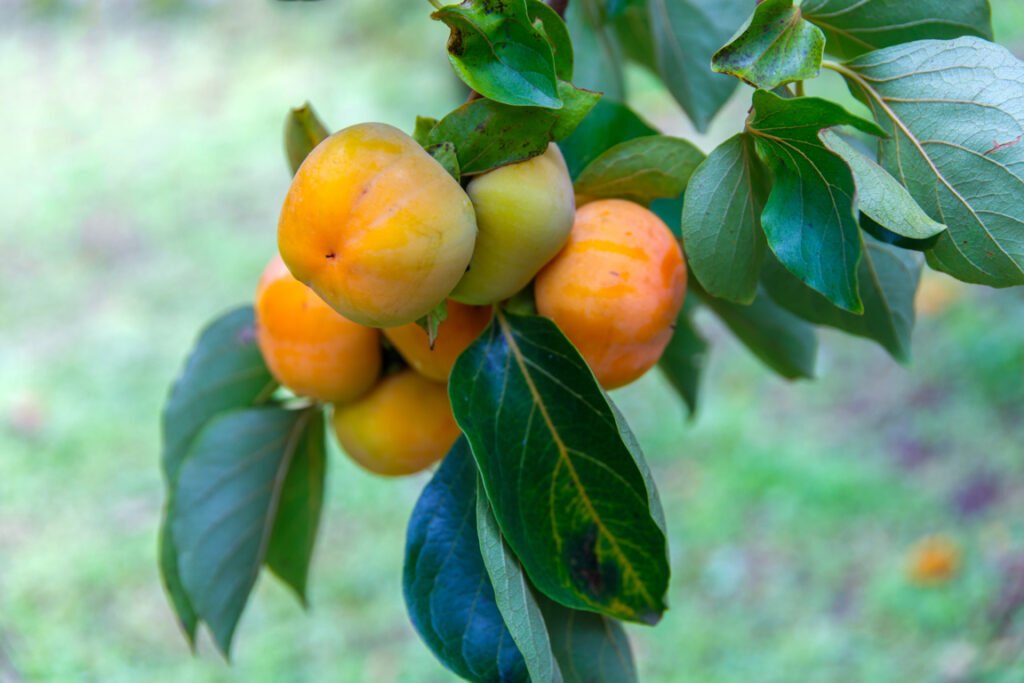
column 589, row 648
column 187, row 618
column 686, row 33
column 598, row 55
column 224, row 510
column 809, row 218
column 776, row 46
column 633, row 27
column 569, row 496
column 424, row 124
column 888, row 282
column 685, row 358
column 447, row 590
column 496, row 50
column 444, row 154
column 298, row 512
column 641, row 170
column 488, row 134
column 608, row 124
column 784, row 342
column 721, row 223
column 880, row 196
column 854, row 27
column 955, row 114
column 224, row 371
column 669, row 211
column 557, row 33
column 303, row 131
column 514, row 597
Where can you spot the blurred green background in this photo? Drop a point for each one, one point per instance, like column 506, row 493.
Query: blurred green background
column 141, row 171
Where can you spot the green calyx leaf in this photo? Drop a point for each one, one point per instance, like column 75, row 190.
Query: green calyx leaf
column 431, row 322
column 721, row 220
column 424, row 124
column 888, row 278
column 444, row 153
column 488, row 134
column 685, row 35
column 880, row 196
column 242, row 491
column 641, row 170
column 854, row 27
column 550, row 454
column 498, row 52
column 776, row 46
column 809, row 219
column 955, row 118
column 303, row 131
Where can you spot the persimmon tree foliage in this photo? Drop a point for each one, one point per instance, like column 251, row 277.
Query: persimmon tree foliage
column 541, row 530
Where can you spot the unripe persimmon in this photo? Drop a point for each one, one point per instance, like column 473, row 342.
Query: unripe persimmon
column 615, row 289
column 524, row 212
column 307, row 345
column 460, row 329
column 376, row 226
column 402, row 426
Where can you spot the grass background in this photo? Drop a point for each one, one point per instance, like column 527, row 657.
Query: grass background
column 140, row 176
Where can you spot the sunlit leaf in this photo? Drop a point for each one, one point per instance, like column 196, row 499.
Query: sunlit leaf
column 641, row 169
column 608, row 124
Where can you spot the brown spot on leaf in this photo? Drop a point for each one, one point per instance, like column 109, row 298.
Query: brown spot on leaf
column 586, row 572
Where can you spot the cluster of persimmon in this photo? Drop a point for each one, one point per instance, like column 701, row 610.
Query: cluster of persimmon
column 375, row 234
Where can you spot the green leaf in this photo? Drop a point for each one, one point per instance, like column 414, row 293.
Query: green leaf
column 685, row 357
column 444, row 154
column 447, row 591
column 227, row 499
column 589, row 648
column 880, row 196
column 854, row 27
column 721, row 222
column 571, row 500
column 809, row 219
column 187, row 617
column 608, row 124
column 298, row 514
column 424, row 124
column 784, row 342
column 777, row 46
column 488, row 134
column 686, row 33
column 954, row 111
column 868, row 225
column 496, row 50
column 303, row 131
column 598, row 54
column 641, row 169
column 514, row 597
column 888, row 281
column 224, row 371
column 547, row 21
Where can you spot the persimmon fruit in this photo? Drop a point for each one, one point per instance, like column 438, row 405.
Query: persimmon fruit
column 402, row 426
column 524, row 212
column 455, row 333
column 376, row 226
column 615, row 289
column 307, row 345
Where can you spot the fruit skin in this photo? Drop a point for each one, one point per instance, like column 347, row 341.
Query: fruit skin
column 376, row 227
column 615, row 289
column 525, row 213
column 460, row 329
column 307, row 345
column 402, row 426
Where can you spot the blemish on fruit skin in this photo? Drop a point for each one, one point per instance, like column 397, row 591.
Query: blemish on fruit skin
column 330, row 256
